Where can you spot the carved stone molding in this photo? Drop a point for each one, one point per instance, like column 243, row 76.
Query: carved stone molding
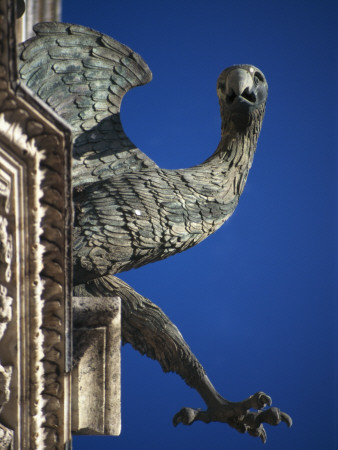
column 35, row 262
column 35, row 11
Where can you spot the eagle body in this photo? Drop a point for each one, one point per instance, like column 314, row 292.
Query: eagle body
column 129, row 212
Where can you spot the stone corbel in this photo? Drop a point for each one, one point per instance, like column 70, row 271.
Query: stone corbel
column 96, row 366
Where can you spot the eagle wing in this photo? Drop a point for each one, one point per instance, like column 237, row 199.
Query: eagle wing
column 83, row 75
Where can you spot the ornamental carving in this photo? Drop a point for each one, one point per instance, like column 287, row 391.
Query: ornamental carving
column 35, row 255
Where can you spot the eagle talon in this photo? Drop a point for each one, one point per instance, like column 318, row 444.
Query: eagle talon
column 262, row 435
column 186, row 416
column 261, row 400
column 272, row 416
column 238, row 415
column 258, row 432
column 286, row 418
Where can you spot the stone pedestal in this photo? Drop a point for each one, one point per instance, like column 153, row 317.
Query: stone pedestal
column 96, row 372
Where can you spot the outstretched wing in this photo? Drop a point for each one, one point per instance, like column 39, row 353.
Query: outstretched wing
column 83, row 75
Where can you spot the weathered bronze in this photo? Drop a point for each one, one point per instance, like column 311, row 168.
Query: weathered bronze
column 128, row 211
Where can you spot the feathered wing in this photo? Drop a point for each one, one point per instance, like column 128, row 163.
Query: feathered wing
column 83, row 75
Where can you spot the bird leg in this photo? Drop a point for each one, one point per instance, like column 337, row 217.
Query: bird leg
column 236, row 414
column 150, row 331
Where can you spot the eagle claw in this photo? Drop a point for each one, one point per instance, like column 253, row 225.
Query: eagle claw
column 259, row 401
column 186, row 416
column 238, row 415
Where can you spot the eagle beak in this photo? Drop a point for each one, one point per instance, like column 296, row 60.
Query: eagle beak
column 240, row 84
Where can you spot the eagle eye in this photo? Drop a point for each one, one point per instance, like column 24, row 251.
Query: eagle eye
column 258, row 77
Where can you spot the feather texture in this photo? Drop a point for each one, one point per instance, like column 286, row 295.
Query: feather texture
column 83, row 75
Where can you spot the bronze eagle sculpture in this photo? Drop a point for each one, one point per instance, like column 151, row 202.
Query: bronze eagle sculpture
column 128, row 211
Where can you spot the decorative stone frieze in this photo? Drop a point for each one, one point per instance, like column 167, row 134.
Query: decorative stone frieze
column 35, row 262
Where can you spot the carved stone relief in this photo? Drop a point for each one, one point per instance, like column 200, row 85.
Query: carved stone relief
column 35, row 262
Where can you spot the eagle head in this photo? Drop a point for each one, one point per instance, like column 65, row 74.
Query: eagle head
column 242, row 89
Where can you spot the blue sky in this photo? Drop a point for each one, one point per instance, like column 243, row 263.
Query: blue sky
column 255, row 301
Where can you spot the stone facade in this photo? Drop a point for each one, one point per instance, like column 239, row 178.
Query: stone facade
column 35, row 262
column 45, row 394
column 36, row 11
